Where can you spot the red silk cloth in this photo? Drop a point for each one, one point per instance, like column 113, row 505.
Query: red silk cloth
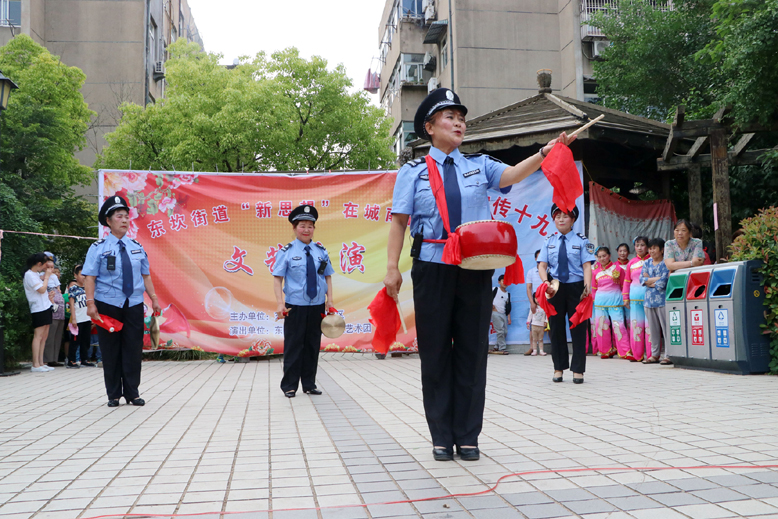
column 452, row 252
column 385, row 320
column 109, row 323
column 583, row 311
column 540, row 296
column 559, row 168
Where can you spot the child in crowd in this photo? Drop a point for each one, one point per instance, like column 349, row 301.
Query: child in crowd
column 80, row 319
column 609, row 307
column 537, row 324
column 654, row 277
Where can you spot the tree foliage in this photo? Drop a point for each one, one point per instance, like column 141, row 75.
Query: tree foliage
column 652, row 66
column 44, row 125
column 760, row 241
column 277, row 113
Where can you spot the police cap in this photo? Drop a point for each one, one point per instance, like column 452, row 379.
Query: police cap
column 573, row 214
column 435, row 102
column 111, row 204
column 304, row 213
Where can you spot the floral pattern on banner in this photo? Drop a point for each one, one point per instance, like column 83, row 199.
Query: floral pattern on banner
column 145, row 197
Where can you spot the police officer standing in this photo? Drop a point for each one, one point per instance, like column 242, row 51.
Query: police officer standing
column 302, row 283
column 453, row 305
column 117, row 273
column 567, row 257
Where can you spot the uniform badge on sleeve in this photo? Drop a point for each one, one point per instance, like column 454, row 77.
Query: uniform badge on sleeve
column 590, row 248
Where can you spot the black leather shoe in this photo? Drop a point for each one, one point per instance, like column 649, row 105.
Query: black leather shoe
column 380, row 356
column 557, row 379
column 312, row 392
column 469, row 453
column 289, row 394
column 113, row 403
column 578, row 380
column 442, row 454
column 136, row 401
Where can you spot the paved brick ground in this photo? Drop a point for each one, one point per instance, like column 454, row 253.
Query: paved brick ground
column 224, row 438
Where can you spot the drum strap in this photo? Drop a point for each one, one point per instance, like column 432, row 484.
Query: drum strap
column 452, row 253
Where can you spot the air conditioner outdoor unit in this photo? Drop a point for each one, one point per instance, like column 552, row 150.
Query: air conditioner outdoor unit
column 598, row 47
column 432, row 84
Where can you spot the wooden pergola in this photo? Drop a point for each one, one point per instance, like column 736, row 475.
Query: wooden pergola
column 714, row 134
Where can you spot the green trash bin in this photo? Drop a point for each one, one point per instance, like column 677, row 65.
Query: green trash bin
column 675, row 308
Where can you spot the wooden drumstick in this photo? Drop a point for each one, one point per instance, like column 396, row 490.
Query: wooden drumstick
column 585, row 126
column 402, row 317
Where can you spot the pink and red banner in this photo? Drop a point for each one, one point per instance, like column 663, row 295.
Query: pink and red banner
column 212, row 240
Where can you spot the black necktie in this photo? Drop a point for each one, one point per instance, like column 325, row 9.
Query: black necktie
column 310, row 275
column 564, row 269
column 127, row 281
column 453, row 196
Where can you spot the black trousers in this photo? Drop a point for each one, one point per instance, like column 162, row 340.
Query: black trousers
column 81, row 341
column 302, row 341
column 453, row 311
column 564, row 302
column 122, row 351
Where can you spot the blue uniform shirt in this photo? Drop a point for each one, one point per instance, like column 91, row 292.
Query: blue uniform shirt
column 413, row 195
column 292, row 264
column 108, row 283
column 579, row 251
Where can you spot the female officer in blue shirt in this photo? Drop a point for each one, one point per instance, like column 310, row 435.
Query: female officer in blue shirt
column 117, row 273
column 302, row 276
column 452, row 304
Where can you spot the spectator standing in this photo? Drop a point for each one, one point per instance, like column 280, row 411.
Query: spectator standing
column 536, row 324
column 532, row 282
column 654, row 277
column 684, row 251
column 40, row 306
column 501, row 315
column 80, row 319
column 623, row 254
column 58, row 323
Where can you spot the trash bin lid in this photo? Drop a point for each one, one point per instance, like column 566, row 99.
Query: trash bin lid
column 676, row 286
column 722, row 281
column 697, row 287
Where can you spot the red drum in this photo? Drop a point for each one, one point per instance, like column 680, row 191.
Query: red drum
column 487, row 244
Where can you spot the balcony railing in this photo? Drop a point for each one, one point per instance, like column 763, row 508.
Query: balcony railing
column 589, row 8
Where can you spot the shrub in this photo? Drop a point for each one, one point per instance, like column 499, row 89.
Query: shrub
column 760, row 241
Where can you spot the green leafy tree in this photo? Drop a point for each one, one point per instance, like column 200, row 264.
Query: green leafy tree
column 282, row 113
column 760, row 241
column 44, row 125
column 652, row 65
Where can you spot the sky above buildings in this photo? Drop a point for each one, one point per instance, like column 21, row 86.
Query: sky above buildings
column 344, row 31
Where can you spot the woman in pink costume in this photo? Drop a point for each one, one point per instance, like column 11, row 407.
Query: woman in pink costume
column 609, row 307
column 633, row 296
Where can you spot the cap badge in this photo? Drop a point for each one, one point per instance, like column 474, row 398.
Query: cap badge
column 449, row 95
column 117, row 200
column 307, row 209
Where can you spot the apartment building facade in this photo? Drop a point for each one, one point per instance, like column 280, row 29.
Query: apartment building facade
column 488, row 51
column 121, row 45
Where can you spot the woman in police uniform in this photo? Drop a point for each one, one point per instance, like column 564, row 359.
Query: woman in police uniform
column 302, row 281
column 452, row 304
column 117, row 274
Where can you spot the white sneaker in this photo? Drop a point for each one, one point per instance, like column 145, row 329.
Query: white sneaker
column 39, row 369
column 48, row 368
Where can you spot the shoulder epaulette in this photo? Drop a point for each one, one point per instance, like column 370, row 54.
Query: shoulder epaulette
column 136, row 242
column 580, row 235
column 476, row 155
column 415, row 162
column 321, row 246
column 286, row 247
column 98, row 242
